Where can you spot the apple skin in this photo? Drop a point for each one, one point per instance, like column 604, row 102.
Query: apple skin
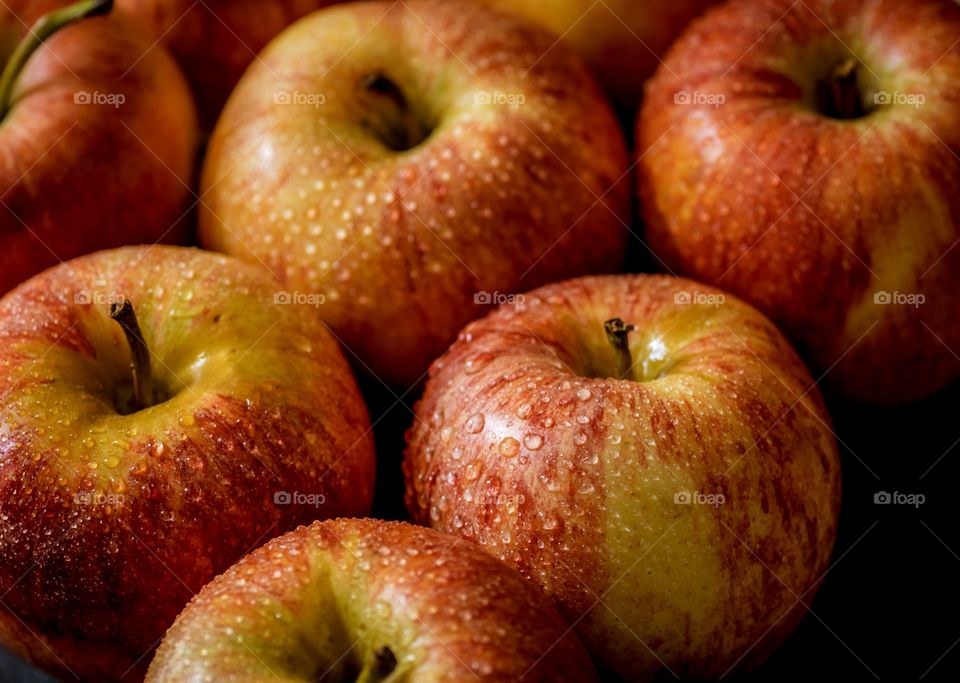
column 109, row 523
column 621, row 40
column 407, row 247
column 215, row 40
column 318, row 602
column 880, row 208
column 77, row 177
column 524, row 444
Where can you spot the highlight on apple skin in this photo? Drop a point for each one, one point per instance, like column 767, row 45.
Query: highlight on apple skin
column 215, row 40
column 122, row 493
column 807, row 158
column 366, row 600
column 97, row 139
column 412, row 162
column 682, row 516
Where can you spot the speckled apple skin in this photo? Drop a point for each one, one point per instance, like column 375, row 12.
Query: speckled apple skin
column 808, row 217
column 320, row 600
column 504, row 195
column 263, row 402
column 75, row 177
column 524, row 444
column 215, row 40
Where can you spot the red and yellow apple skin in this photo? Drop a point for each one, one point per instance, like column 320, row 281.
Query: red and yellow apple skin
column 318, row 603
column 215, row 40
column 518, row 182
column 524, row 444
column 814, row 219
column 621, row 40
column 110, row 522
column 79, row 171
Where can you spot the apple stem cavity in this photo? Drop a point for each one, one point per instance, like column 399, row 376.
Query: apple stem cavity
column 839, row 95
column 380, row 668
column 45, row 26
column 122, row 312
column 395, row 122
column 617, row 332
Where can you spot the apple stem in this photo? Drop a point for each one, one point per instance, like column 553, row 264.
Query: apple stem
column 45, row 26
column 617, row 332
column 380, row 667
column 840, row 96
column 122, row 312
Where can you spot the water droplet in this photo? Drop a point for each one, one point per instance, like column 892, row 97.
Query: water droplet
column 523, row 412
column 509, row 447
column 584, row 394
column 474, row 425
column 532, row 442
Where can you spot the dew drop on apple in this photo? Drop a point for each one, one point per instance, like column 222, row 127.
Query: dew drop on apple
column 474, row 425
column 548, row 422
column 509, row 447
column 523, row 412
column 580, row 439
column 532, row 442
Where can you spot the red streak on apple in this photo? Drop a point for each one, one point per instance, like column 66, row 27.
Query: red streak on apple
column 747, row 184
column 717, row 403
column 110, row 522
column 319, row 602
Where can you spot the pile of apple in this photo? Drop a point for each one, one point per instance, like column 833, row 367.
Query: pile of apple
column 625, row 473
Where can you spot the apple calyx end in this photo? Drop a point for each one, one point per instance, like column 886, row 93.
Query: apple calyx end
column 617, row 332
column 838, row 95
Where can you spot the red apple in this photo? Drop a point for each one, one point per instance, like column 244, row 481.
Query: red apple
column 805, row 157
column 411, row 168
column 97, row 140
column 365, row 600
column 670, row 477
column 622, row 40
column 215, row 40
column 122, row 495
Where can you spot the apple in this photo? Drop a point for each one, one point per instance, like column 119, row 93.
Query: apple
column 366, row 600
column 805, row 158
column 215, row 40
column 651, row 452
column 412, row 170
column 621, row 40
column 98, row 137
column 123, row 490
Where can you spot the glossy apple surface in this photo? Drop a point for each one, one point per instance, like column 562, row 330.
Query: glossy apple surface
column 365, row 600
column 111, row 520
column 840, row 223
column 215, row 40
column 97, row 147
column 412, row 163
column 621, row 40
column 677, row 515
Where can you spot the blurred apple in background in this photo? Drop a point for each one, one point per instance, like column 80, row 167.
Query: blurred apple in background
column 97, row 139
column 621, row 40
column 215, row 40
column 805, row 157
column 649, row 451
column 123, row 492
column 365, row 600
column 413, row 163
